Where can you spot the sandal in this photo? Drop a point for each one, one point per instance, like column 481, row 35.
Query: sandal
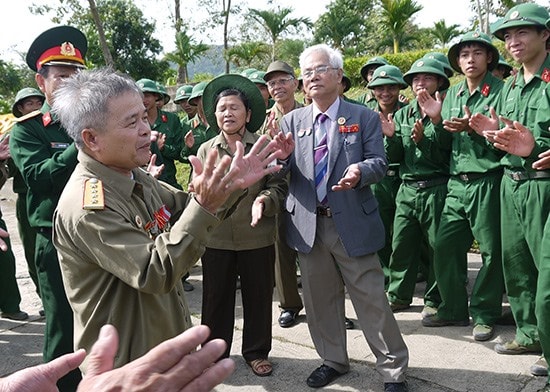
column 261, row 367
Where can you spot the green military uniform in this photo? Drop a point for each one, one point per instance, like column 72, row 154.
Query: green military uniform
column 123, row 257
column 386, row 189
column 525, row 193
column 472, row 205
column 10, row 297
column 543, row 295
column 424, row 170
column 169, row 124
column 201, row 133
column 26, row 232
column 471, row 211
column 374, row 62
column 46, row 156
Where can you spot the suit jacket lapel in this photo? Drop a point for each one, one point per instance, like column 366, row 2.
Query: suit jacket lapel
column 304, row 137
column 336, row 141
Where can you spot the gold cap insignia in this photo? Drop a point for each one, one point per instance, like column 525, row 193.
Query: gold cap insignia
column 67, row 49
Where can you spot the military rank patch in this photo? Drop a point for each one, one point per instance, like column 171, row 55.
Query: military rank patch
column 93, row 195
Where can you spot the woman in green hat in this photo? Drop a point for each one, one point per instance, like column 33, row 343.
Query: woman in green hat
column 243, row 244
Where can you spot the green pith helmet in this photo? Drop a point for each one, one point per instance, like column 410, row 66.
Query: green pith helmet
column 387, row 75
column 149, row 86
column 247, row 71
column 166, row 97
column 472, row 37
column 347, row 82
column 427, row 66
column 61, row 45
column 245, row 86
column 26, row 92
column 197, row 91
column 183, row 93
column 443, row 60
column 258, row 77
column 504, row 64
column 525, row 14
column 376, row 61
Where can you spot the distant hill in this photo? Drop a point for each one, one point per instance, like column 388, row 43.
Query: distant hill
column 211, row 62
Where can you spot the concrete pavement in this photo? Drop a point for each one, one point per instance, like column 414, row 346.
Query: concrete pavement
column 441, row 359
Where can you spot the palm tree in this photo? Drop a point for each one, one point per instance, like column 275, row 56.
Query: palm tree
column 443, row 33
column 395, row 17
column 277, row 22
column 186, row 52
column 336, row 29
column 245, row 54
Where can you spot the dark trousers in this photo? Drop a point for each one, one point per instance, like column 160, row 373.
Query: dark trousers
column 220, row 269
column 27, row 233
column 10, row 297
column 58, row 335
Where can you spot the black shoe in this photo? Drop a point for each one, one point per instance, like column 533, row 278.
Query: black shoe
column 287, row 318
column 188, row 286
column 349, row 324
column 18, row 316
column 396, row 387
column 322, row 376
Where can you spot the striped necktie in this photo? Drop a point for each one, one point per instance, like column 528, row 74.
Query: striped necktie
column 321, row 158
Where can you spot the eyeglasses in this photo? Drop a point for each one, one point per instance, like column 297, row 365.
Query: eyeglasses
column 319, row 70
column 282, row 82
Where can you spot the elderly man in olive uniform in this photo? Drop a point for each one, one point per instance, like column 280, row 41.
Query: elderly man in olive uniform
column 525, row 191
column 282, row 84
column 424, row 169
column 126, row 245
column 46, row 156
column 472, row 205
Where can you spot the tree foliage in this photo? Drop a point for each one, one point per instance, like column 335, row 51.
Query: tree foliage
column 444, row 34
column 277, row 22
column 187, row 51
column 252, row 54
column 396, row 16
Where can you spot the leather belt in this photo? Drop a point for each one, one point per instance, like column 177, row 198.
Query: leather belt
column 522, row 175
column 423, row 184
column 392, row 173
column 324, row 211
column 469, row 177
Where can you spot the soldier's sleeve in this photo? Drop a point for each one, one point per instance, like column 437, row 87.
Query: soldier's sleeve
column 174, row 139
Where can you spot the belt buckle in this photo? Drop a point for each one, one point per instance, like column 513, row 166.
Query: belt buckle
column 516, row 176
column 391, row 173
column 464, row 177
column 422, row 184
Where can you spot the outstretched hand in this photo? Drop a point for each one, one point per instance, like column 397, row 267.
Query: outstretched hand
column 459, row 124
column 514, row 138
column 388, row 126
column 430, row 106
column 480, row 122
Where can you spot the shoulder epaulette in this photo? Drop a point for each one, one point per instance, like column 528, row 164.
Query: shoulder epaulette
column 93, row 195
column 27, row 116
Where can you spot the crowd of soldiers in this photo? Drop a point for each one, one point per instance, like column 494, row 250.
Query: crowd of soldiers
column 463, row 163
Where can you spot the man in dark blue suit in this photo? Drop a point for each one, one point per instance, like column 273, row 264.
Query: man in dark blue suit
column 334, row 224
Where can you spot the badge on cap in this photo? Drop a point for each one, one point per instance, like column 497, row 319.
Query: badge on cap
column 420, row 64
column 383, row 73
column 475, row 35
column 67, row 49
column 341, row 121
column 514, row 15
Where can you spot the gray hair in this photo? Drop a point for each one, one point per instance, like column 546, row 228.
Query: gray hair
column 334, row 56
column 82, row 101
